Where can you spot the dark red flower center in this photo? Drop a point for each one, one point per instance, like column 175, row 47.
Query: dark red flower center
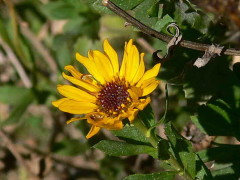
column 113, row 98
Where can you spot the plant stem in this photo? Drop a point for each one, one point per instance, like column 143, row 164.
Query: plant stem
column 151, row 32
column 143, row 129
column 154, row 142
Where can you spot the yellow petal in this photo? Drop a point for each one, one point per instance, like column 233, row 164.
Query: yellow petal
column 74, row 119
column 59, row 101
column 94, row 130
column 132, row 63
column 75, row 73
column 135, row 92
column 91, row 67
column 140, row 70
column 143, row 103
column 147, row 82
column 125, row 59
column 76, row 107
column 103, row 64
column 75, row 93
column 148, row 89
column 132, row 115
column 129, row 45
column 112, row 55
column 117, row 125
column 81, row 83
column 150, row 74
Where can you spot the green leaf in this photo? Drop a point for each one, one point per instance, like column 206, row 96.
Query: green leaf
column 60, row 10
column 131, row 134
column 182, row 149
column 12, row 94
column 127, row 4
column 4, row 33
column 147, row 116
column 60, row 46
column 73, row 26
column 168, row 175
column 219, row 153
column 160, row 24
column 140, row 12
column 97, row 5
column 189, row 162
column 163, row 149
column 217, row 119
column 81, row 6
column 117, row 148
column 202, row 170
column 124, row 4
column 230, row 172
column 19, row 109
column 69, row 147
column 83, row 44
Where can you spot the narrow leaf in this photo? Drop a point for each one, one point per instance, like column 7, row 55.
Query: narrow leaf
column 117, row 148
column 168, row 175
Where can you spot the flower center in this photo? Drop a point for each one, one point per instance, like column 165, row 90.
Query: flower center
column 114, row 98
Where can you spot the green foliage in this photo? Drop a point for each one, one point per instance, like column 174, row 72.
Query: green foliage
column 69, row 147
column 216, row 115
column 131, row 133
column 117, row 148
column 43, row 31
column 162, row 175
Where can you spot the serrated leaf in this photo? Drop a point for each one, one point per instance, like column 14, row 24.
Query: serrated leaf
column 127, row 4
column 160, row 24
column 117, row 148
column 131, row 134
column 170, row 175
column 124, row 4
column 189, row 162
column 140, row 12
column 217, row 119
column 97, row 5
column 186, row 13
column 182, row 150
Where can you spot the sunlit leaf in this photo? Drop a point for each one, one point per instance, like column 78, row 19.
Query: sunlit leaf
column 162, row 175
column 117, row 148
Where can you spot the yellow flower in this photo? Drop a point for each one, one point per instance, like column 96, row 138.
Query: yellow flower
column 108, row 94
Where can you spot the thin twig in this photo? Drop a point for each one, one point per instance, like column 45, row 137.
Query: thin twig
column 15, row 62
column 12, row 148
column 149, row 31
column 145, row 45
column 77, row 162
column 39, row 47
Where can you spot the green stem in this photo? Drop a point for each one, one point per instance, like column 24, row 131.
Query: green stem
column 174, row 163
column 154, row 141
column 143, row 129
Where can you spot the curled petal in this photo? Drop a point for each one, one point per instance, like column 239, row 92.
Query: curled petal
column 94, row 130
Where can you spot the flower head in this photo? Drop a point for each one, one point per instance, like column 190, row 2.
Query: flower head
column 109, row 93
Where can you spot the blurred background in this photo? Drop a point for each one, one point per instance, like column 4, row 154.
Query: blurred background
column 37, row 39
